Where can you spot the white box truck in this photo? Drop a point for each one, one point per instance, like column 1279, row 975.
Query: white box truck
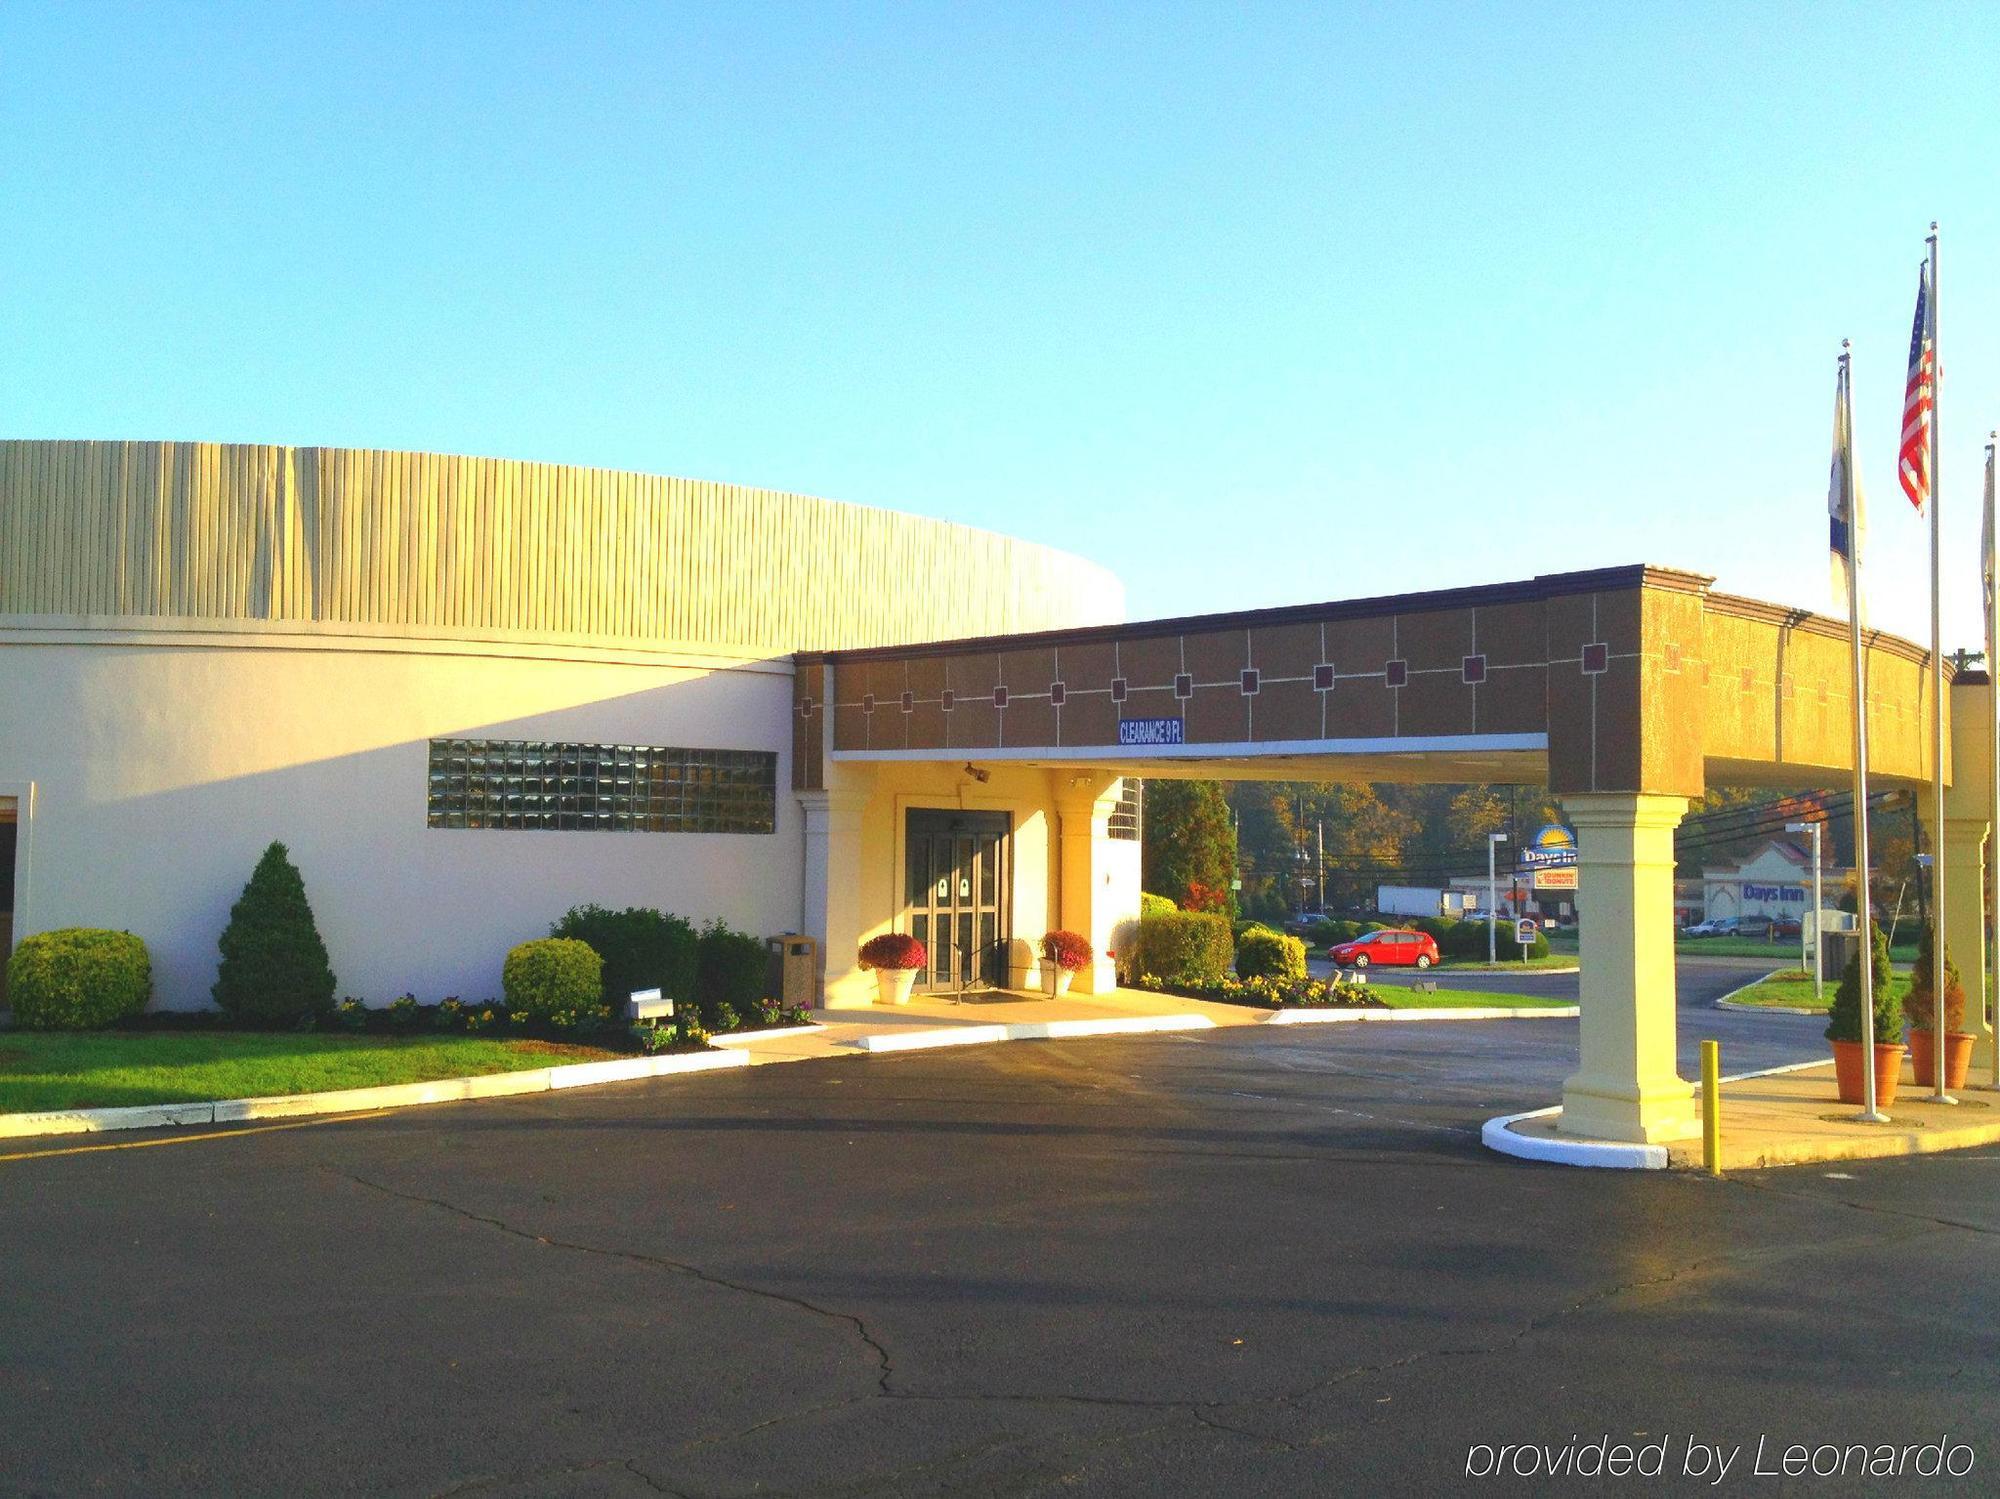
column 1415, row 900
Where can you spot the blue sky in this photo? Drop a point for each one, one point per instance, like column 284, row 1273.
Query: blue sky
column 1257, row 304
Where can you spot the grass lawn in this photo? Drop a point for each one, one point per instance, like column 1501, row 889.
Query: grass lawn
column 107, row 1069
column 1739, row 947
column 1507, row 964
column 1398, row 998
column 1794, row 987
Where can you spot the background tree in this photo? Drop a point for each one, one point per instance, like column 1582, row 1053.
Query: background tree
column 1189, row 848
column 274, row 966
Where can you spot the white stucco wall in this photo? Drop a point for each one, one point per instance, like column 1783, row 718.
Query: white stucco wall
column 164, row 761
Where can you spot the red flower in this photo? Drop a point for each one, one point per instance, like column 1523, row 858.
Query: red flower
column 894, row 950
column 1069, row 951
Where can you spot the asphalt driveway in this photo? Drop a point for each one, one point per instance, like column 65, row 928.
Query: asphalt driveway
column 1253, row 1261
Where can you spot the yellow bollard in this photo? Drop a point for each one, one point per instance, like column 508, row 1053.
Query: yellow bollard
column 1711, row 1106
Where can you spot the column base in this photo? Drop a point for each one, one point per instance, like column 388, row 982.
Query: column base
column 1605, row 1109
column 853, row 990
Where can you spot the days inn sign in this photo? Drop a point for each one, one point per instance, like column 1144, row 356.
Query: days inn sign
column 1554, row 847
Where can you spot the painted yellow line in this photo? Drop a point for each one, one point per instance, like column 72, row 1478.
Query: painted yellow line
column 220, row 1134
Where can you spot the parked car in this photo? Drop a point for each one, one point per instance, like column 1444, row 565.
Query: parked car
column 1392, row 947
column 1787, row 926
column 1715, row 926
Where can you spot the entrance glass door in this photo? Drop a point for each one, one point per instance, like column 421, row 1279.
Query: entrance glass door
column 956, row 891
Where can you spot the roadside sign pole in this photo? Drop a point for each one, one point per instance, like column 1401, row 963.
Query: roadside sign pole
column 1819, row 904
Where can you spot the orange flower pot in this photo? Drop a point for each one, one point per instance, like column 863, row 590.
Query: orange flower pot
column 1847, row 1070
column 1957, row 1057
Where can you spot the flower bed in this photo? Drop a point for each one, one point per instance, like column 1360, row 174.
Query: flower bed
column 450, row 1017
column 1270, row 993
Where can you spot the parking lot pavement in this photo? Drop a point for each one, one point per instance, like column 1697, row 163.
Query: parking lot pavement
column 1249, row 1261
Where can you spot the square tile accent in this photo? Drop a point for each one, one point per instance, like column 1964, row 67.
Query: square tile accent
column 1473, row 669
column 1184, row 686
column 1396, row 673
column 1749, row 680
column 805, row 707
column 948, row 700
column 1119, row 687
column 1672, row 653
column 867, row 702
column 1323, row 677
column 909, row 702
column 1058, row 693
column 1250, row 681
column 1596, row 658
column 999, row 697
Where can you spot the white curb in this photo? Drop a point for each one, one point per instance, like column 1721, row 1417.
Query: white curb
column 1313, row 1015
column 748, row 1038
column 1037, row 1030
column 1495, row 1134
column 358, row 1100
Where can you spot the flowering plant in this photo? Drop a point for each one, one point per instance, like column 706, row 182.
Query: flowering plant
column 894, row 950
column 1068, row 951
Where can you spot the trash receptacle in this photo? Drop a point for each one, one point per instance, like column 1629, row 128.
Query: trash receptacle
column 794, row 974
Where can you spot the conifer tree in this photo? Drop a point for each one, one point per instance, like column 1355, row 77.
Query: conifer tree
column 274, row 965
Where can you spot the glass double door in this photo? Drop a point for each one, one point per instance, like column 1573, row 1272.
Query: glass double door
column 956, row 892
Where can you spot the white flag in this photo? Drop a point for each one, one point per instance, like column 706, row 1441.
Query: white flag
column 1986, row 565
column 1845, row 533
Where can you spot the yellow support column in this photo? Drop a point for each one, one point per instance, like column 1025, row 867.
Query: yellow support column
column 1963, row 850
column 1098, row 883
column 1627, row 1085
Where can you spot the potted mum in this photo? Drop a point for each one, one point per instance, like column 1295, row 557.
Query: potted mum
column 1844, row 1027
column 896, row 958
column 1920, row 1007
column 1063, row 953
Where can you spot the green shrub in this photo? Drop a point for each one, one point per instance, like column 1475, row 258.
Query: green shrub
column 555, row 979
column 734, row 973
column 1155, row 905
column 78, row 979
column 1919, row 1006
column 1844, row 1019
column 274, row 967
column 1185, row 946
column 1270, row 955
column 642, row 949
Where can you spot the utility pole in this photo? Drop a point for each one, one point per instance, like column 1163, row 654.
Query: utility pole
column 1493, row 842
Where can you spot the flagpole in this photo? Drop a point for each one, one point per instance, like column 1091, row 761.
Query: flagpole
column 1864, row 902
column 1992, row 568
column 1938, row 1093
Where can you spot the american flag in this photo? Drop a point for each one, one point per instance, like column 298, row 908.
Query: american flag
column 1913, row 458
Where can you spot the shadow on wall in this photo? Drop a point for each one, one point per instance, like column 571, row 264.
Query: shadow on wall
column 404, row 906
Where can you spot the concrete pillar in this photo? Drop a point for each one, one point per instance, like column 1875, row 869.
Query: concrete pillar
column 1627, row 1085
column 1966, row 807
column 1092, row 897
column 833, row 893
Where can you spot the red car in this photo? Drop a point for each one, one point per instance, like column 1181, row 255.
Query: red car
column 1392, row 946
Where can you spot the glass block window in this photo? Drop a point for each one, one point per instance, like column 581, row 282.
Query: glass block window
column 614, row 788
column 1129, row 815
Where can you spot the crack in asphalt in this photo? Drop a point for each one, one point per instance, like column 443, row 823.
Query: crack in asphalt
column 1824, row 1198
column 884, row 1367
column 1206, row 1413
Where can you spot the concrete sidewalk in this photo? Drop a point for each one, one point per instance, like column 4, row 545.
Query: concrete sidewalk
column 844, row 1032
column 1795, row 1117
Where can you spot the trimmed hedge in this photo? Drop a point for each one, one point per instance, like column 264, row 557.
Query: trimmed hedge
column 734, row 974
column 556, row 979
column 1155, row 905
column 1270, row 955
column 274, row 967
column 78, row 979
column 642, row 949
column 1183, row 947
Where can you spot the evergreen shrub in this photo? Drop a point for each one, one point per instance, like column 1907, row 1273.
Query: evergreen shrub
column 274, row 968
column 1185, row 947
column 1270, row 955
column 554, row 979
column 78, row 979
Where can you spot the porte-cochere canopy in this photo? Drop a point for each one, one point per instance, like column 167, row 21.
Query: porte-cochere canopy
column 1627, row 690
column 1625, row 679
